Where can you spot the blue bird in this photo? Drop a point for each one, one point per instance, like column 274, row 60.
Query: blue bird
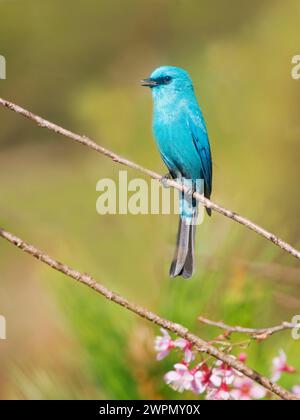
column 182, row 140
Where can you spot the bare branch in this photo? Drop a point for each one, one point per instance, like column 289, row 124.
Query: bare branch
column 199, row 344
column 258, row 333
column 119, row 159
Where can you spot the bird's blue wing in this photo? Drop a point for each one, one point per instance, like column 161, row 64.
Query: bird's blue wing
column 201, row 142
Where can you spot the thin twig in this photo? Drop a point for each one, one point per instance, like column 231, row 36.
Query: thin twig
column 199, row 344
column 119, row 159
column 258, row 333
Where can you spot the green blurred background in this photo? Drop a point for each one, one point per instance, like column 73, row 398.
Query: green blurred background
column 79, row 65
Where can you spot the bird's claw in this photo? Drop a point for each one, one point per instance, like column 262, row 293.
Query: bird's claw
column 189, row 193
column 164, row 180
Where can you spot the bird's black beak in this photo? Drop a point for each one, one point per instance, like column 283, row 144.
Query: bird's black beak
column 149, row 82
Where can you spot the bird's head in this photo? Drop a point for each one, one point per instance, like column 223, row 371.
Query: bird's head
column 168, row 80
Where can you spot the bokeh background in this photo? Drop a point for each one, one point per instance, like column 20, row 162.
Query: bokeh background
column 79, row 65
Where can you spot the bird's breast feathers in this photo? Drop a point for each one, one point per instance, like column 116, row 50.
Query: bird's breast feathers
column 180, row 133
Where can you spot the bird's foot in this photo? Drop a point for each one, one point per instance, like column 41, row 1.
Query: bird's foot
column 164, row 180
column 189, row 193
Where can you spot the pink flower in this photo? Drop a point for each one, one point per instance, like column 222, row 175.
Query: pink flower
column 221, row 393
column 242, row 357
column 163, row 344
column 246, row 389
column 296, row 390
column 180, row 378
column 280, row 365
column 203, row 378
column 224, row 372
column 186, row 346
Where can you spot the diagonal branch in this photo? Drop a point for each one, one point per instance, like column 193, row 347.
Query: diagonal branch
column 199, row 344
column 119, row 159
column 258, row 333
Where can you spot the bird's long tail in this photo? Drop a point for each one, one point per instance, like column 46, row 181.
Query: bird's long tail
column 184, row 260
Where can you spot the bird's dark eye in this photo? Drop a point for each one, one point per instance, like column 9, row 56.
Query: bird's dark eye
column 167, row 79
column 163, row 80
